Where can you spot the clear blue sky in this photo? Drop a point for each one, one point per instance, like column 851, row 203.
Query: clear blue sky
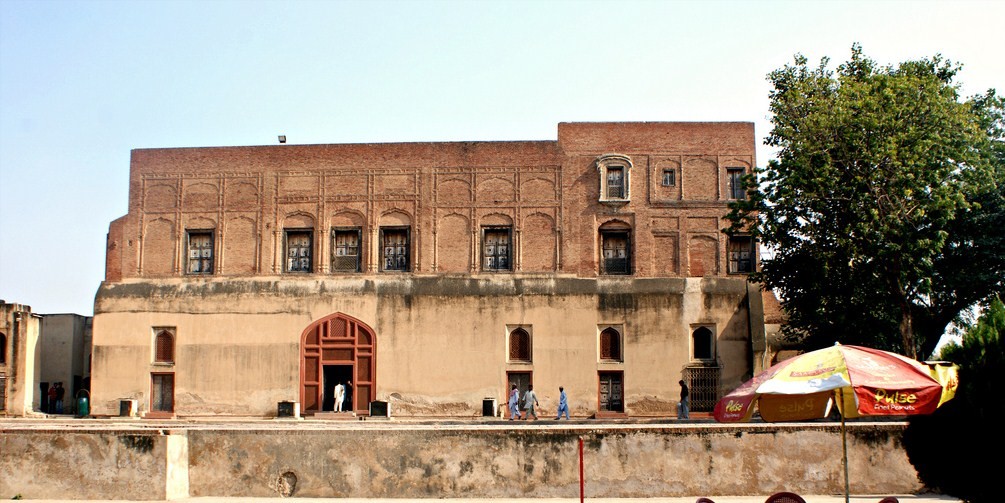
column 84, row 82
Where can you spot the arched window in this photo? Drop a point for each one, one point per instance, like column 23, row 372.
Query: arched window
column 519, row 345
column 610, row 345
column 701, row 344
column 164, row 346
column 3, row 348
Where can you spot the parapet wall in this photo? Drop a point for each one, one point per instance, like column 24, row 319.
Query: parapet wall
column 483, row 460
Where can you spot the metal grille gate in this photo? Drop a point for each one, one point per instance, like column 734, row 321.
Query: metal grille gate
column 704, row 383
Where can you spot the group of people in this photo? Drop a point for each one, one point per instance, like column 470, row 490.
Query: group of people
column 530, row 402
column 55, row 394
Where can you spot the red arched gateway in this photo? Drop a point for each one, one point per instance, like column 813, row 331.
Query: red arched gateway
column 337, row 349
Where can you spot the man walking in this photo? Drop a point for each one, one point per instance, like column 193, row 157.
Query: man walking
column 514, row 403
column 563, row 404
column 530, row 400
column 683, row 411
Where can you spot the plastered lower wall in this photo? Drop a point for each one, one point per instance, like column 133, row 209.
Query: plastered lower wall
column 494, row 459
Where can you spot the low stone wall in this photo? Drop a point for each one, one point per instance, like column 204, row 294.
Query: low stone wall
column 371, row 460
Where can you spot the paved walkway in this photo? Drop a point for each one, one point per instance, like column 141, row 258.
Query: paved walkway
column 811, row 498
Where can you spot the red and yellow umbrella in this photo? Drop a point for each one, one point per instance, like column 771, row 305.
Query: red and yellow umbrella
column 860, row 381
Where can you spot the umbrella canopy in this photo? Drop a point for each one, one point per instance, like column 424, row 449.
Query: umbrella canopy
column 860, row 381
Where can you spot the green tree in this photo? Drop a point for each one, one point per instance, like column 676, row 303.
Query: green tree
column 940, row 445
column 884, row 184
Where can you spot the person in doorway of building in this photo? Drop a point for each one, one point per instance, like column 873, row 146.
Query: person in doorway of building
column 60, row 393
column 683, row 410
column 563, row 404
column 529, row 401
column 51, row 395
column 348, row 397
column 514, row 403
column 339, row 396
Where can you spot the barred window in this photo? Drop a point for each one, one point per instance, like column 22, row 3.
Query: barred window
column 519, row 345
column 346, row 250
column 610, row 345
column 164, row 346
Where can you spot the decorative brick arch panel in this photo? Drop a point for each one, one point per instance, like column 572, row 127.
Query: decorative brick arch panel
column 337, row 340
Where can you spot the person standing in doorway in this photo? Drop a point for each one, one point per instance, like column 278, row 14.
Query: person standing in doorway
column 60, row 393
column 529, row 401
column 563, row 404
column 51, row 395
column 514, row 403
column 339, row 396
column 683, row 408
column 348, row 397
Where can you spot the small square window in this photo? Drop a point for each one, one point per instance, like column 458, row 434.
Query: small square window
column 669, row 178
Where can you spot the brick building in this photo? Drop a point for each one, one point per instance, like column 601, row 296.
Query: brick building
column 432, row 275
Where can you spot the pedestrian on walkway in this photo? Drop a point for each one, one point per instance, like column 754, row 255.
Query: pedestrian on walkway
column 563, row 404
column 514, row 403
column 683, row 409
column 529, row 401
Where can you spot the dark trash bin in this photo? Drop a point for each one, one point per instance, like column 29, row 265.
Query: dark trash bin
column 83, row 407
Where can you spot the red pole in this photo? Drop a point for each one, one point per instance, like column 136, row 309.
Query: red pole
column 582, row 492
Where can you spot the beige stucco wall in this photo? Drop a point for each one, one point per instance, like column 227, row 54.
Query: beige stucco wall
column 20, row 368
column 486, row 459
column 440, row 341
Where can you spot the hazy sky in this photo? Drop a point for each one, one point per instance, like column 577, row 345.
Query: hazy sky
column 84, row 82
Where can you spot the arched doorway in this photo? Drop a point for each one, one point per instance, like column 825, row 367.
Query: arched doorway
column 335, row 350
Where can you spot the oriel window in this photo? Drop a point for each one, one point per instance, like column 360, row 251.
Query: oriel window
column 616, row 182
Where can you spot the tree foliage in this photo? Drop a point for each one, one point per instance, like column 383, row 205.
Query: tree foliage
column 879, row 201
column 940, row 445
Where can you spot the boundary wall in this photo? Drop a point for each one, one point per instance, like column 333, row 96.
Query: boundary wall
column 494, row 459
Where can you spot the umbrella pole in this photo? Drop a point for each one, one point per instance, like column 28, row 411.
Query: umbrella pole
column 844, row 447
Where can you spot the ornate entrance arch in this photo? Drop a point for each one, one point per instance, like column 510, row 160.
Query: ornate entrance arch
column 333, row 350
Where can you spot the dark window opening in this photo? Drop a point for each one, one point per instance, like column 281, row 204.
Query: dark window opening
column 200, row 252
column 616, row 253
column 701, row 344
column 741, row 255
column 735, row 178
column 299, row 246
column 3, row 348
column 345, row 250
